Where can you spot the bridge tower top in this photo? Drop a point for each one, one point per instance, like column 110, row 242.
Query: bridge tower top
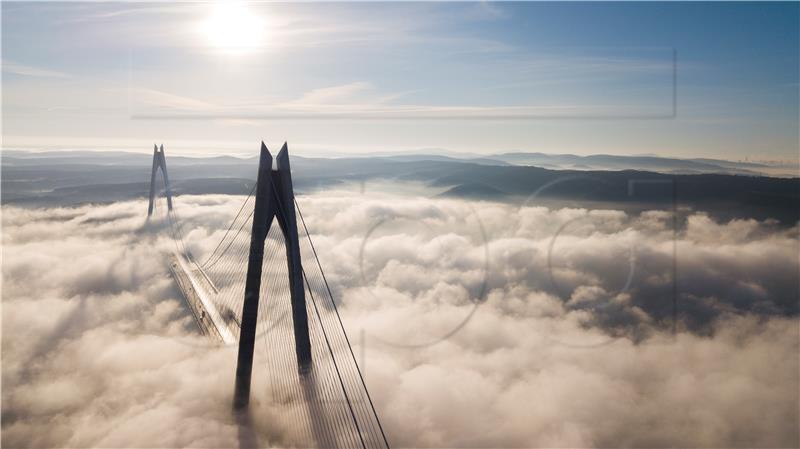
column 159, row 163
column 274, row 198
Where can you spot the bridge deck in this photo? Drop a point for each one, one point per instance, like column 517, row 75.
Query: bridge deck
column 197, row 296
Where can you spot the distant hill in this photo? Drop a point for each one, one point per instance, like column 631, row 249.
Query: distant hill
column 73, row 178
column 647, row 163
column 653, row 163
column 433, row 157
column 474, row 190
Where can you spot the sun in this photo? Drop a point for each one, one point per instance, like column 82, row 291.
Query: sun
column 232, row 28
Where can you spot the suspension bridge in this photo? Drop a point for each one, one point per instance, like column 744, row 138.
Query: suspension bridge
column 254, row 285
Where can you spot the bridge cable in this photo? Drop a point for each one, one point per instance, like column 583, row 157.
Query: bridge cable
column 169, row 219
column 333, row 359
column 174, row 222
column 313, row 425
column 330, row 349
column 336, row 309
column 230, row 226
column 372, row 424
column 231, row 242
column 368, row 417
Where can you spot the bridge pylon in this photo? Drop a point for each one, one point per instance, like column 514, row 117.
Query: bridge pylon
column 274, row 198
column 159, row 162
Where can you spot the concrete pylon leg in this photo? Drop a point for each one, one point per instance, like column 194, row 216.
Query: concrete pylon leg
column 288, row 222
column 159, row 162
column 262, row 217
column 153, row 181
column 167, row 187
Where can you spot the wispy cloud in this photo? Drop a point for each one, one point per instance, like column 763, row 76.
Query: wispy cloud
column 357, row 93
column 334, row 94
column 360, row 100
column 27, row 70
column 161, row 99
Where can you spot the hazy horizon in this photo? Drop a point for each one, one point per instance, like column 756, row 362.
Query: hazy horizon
column 240, row 152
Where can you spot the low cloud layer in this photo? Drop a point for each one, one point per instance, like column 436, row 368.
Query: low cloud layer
column 477, row 325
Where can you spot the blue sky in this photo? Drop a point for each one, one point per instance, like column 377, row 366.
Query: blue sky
column 581, row 78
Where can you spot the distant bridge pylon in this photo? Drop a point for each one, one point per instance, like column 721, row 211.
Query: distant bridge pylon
column 159, row 162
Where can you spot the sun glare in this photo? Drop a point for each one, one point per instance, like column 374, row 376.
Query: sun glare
column 233, row 29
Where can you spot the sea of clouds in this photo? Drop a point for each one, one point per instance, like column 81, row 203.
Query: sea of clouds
column 476, row 324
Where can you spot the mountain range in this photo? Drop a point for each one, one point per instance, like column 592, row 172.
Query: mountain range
column 74, row 177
